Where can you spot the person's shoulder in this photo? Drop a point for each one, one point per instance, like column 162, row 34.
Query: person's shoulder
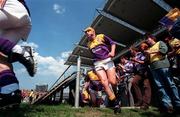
column 161, row 43
column 158, row 43
column 100, row 35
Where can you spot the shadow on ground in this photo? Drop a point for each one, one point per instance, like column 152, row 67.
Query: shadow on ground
column 21, row 111
column 153, row 113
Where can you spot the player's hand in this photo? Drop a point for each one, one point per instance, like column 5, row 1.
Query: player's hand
column 111, row 54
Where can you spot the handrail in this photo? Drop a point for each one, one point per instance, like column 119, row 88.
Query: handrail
column 59, row 77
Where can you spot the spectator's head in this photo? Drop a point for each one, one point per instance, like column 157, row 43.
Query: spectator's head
column 90, row 33
column 150, row 39
column 123, row 59
column 143, row 46
column 168, row 38
column 133, row 50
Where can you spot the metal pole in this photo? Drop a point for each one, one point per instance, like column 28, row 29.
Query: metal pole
column 77, row 82
column 59, row 77
column 120, row 21
column 138, row 43
column 163, row 5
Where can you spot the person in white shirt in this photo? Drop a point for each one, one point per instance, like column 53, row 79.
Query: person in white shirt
column 15, row 25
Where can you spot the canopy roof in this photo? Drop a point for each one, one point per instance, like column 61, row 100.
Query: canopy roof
column 125, row 21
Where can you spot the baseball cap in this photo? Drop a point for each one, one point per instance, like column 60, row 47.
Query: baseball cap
column 89, row 29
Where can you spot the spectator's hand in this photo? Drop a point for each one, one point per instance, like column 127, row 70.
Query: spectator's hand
column 132, row 59
column 147, row 51
column 120, row 66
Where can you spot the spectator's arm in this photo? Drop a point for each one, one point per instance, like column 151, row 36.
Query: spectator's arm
column 163, row 47
column 137, row 61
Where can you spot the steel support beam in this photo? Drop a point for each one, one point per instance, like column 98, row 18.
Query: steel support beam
column 115, row 19
column 83, row 47
column 163, row 5
column 73, row 55
column 111, row 4
column 137, row 43
column 120, row 44
column 59, row 77
column 126, row 50
column 75, row 63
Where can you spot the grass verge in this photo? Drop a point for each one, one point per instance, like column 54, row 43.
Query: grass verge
column 62, row 110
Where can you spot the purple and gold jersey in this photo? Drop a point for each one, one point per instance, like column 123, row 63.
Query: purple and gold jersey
column 95, row 82
column 100, row 46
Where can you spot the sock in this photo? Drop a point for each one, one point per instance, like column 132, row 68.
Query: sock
column 112, row 97
column 8, row 82
column 17, row 49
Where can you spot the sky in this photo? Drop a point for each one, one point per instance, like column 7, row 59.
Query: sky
column 56, row 26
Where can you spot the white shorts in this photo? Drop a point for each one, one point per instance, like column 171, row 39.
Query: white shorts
column 104, row 64
column 15, row 23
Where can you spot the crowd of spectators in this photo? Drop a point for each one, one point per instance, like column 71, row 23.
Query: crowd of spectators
column 151, row 68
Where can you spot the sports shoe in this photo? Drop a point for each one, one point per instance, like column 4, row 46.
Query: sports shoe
column 144, row 107
column 28, row 61
column 166, row 110
column 139, row 103
column 170, row 110
column 117, row 108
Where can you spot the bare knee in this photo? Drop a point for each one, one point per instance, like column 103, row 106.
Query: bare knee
column 113, row 82
column 111, row 74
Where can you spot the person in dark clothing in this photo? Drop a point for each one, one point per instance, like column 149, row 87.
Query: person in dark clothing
column 141, row 75
column 15, row 26
column 159, row 66
column 9, row 84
